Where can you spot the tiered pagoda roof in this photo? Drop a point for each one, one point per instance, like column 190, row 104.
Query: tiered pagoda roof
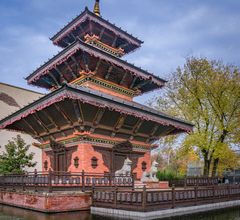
column 91, row 57
column 92, row 90
column 90, row 23
column 80, row 59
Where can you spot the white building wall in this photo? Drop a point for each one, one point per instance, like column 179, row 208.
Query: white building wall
column 12, row 99
column 5, row 136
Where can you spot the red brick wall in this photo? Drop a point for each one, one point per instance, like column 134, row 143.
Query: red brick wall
column 85, row 152
column 47, row 202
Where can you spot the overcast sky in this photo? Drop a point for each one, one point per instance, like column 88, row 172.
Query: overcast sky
column 171, row 30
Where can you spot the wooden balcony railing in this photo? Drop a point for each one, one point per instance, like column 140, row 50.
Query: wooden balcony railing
column 150, row 200
column 196, row 181
column 53, row 181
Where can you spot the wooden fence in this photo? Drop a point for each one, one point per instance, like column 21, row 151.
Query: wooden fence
column 53, row 181
column 196, row 181
column 149, row 200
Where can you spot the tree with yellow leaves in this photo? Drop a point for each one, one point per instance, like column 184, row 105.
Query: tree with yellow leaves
column 207, row 93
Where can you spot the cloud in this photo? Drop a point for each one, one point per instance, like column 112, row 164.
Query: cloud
column 202, row 30
column 171, row 31
column 24, row 50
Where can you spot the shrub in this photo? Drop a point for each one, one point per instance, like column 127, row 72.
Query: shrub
column 167, row 175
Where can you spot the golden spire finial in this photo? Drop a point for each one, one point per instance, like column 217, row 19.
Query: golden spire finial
column 97, row 8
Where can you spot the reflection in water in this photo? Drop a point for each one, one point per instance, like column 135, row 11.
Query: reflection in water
column 10, row 213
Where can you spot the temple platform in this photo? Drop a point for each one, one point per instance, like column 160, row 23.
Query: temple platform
column 47, row 202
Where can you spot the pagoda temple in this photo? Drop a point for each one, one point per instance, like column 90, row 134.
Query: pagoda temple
column 89, row 120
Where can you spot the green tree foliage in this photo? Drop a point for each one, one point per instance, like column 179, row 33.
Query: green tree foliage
column 16, row 157
column 206, row 93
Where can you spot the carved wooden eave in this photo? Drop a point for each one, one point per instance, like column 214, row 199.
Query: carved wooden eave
column 113, row 144
column 91, row 112
column 123, row 147
column 75, row 29
column 140, row 79
column 56, row 146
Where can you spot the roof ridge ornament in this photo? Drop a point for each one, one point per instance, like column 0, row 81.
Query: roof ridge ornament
column 97, row 8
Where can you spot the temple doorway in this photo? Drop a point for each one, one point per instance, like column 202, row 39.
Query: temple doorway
column 59, row 154
column 60, row 162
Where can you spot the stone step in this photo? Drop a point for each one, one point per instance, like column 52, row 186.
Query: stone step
column 139, row 185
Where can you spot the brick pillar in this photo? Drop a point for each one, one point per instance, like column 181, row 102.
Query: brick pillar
column 146, row 158
column 45, row 157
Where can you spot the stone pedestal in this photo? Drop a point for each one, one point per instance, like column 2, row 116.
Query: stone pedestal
column 157, row 185
column 139, row 185
column 152, row 185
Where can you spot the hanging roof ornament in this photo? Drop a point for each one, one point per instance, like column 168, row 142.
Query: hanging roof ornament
column 97, row 8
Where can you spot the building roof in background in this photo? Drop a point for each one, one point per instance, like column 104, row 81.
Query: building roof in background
column 13, row 98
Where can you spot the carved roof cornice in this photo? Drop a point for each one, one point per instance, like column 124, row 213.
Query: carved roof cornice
column 106, row 84
column 79, row 45
column 100, row 100
column 95, row 141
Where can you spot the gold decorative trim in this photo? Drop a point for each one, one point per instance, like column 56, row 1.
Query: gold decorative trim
column 88, row 77
column 95, row 41
column 87, row 73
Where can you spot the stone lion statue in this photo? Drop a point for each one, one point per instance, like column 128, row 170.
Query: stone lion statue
column 126, row 169
column 151, row 175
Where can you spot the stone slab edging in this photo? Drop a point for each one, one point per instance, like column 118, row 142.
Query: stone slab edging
column 162, row 213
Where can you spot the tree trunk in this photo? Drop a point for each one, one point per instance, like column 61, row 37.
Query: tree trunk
column 215, row 166
column 216, row 160
column 206, row 167
column 207, row 162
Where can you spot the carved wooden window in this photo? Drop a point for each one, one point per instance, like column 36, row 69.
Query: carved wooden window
column 45, row 165
column 76, row 162
column 94, row 162
column 144, row 166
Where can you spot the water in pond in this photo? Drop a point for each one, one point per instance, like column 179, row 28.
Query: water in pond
column 10, row 213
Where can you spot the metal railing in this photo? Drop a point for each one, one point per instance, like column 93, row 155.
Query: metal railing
column 149, row 200
column 53, row 181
